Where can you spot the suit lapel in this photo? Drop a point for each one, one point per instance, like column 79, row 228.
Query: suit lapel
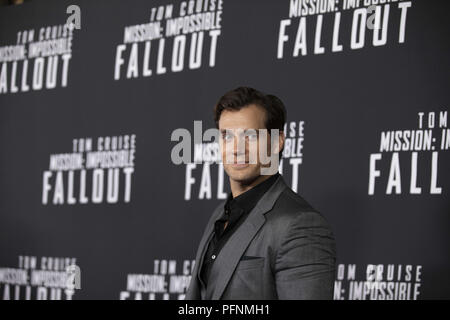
column 230, row 254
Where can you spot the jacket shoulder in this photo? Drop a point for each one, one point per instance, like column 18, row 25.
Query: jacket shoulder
column 291, row 208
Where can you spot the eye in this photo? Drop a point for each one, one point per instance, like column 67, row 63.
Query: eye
column 227, row 136
column 252, row 136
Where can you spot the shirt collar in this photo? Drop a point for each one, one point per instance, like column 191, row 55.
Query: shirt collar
column 248, row 200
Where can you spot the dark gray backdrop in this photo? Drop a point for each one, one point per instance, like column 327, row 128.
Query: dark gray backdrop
column 346, row 99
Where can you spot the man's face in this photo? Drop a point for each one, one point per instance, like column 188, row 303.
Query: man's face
column 234, row 128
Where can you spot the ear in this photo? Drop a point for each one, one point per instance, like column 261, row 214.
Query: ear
column 279, row 146
column 282, row 137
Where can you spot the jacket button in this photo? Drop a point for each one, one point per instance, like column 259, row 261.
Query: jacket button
column 213, row 257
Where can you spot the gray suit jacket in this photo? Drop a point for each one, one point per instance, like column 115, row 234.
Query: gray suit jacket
column 283, row 250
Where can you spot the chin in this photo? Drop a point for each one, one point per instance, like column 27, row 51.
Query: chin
column 245, row 175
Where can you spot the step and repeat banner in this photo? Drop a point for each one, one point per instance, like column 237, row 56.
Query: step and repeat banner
column 93, row 207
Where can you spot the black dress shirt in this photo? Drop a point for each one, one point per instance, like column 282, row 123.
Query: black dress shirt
column 236, row 210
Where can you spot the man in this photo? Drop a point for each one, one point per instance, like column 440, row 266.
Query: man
column 264, row 241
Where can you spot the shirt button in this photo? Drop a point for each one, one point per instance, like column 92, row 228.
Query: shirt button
column 213, row 257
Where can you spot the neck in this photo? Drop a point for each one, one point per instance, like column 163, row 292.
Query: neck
column 238, row 187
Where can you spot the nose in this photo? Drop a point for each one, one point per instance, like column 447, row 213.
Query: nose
column 239, row 145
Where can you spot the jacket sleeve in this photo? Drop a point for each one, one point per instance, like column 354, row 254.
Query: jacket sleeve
column 306, row 258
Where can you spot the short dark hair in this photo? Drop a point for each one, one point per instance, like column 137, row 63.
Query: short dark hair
column 242, row 97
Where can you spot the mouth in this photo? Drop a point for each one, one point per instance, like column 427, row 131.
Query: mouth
column 239, row 165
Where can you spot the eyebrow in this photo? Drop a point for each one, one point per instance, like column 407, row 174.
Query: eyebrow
column 246, row 131
column 224, row 130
